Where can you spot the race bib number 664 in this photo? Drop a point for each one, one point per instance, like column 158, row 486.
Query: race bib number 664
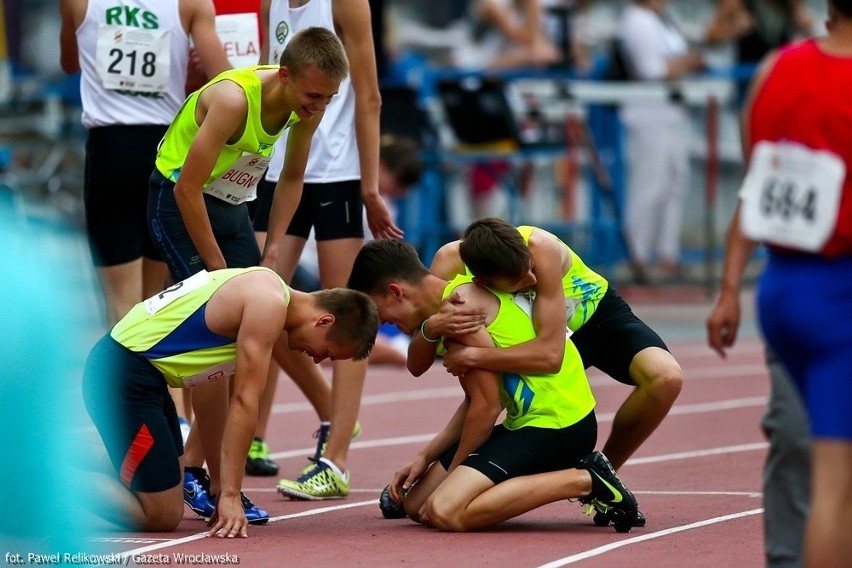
column 791, row 195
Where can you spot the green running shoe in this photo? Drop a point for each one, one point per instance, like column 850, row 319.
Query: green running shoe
column 319, row 482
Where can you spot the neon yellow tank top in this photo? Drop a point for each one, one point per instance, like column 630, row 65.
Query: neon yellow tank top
column 169, row 330
column 545, row 401
column 583, row 287
column 174, row 146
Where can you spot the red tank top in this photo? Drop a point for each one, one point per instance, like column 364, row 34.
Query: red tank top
column 806, row 99
column 240, row 7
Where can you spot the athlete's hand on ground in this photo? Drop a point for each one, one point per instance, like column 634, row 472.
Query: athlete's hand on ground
column 229, row 520
column 457, row 359
column 454, row 318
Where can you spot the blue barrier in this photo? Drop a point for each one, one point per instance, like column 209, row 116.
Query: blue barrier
column 599, row 238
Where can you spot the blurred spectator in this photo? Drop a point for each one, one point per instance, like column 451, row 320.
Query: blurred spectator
column 506, row 34
column 758, row 26
column 654, row 49
column 127, row 109
column 566, row 24
column 400, row 168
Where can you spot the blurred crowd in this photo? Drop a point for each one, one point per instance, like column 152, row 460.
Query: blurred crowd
column 639, row 40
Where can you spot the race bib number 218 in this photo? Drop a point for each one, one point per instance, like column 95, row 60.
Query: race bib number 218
column 133, row 59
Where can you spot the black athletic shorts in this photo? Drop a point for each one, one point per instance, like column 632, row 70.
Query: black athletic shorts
column 334, row 210
column 231, row 228
column 119, row 160
column 613, row 336
column 129, row 402
column 529, row 450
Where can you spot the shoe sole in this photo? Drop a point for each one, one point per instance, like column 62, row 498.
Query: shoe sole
column 196, row 511
column 603, row 520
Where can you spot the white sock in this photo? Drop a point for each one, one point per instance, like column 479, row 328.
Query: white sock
column 334, row 468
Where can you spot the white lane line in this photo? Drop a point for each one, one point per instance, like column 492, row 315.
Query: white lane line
column 377, row 490
column 334, row 508
column 701, row 349
column 383, row 398
column 199, row 536
column 597, row 380
column 752, row 494
column 681, row 409
column 699, row 453
column 401, row 441
column 627, row 542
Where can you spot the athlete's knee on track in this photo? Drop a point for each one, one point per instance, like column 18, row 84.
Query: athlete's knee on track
column 443, row 517
column 162, row 517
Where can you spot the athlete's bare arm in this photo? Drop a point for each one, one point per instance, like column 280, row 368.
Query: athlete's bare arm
column 353, row 27
column 72, row 13
column 544, row 353
column 288, row 190
column 222, row 110
column 199, row 21
column 256, row 301
column 453, row 319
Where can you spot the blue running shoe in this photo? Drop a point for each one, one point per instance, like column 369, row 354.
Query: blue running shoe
column 254, row 515
column 196, row 492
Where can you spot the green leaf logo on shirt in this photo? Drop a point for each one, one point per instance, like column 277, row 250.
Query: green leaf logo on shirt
column 282, row 30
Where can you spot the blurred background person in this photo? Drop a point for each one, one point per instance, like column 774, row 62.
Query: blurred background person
column 756, row 27
column 797, row 199
column 129, row 99
column 658, row 136
column 400, row 168
column 505, row 34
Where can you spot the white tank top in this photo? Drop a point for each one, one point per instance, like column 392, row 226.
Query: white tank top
column 133, row 57
column 334, row 150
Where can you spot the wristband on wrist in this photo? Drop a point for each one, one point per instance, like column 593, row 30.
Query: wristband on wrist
column 423, row 333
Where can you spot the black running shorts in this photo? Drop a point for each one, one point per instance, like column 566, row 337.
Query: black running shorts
column 334, row 210
column 129, row 402
column 528, row 450
column 613, row 336
column 231, row 228
column 119, row 160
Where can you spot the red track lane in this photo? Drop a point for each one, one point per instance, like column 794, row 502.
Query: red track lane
column 698, row 480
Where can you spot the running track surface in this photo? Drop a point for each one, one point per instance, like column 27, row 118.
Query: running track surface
column 697, row 479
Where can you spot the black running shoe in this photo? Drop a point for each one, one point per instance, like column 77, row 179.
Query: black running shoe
column 609, row 495
column 390, row 508
column 258, row 462
column 602, row 519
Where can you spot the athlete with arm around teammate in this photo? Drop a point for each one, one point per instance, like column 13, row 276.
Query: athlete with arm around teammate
column 566, row 292
column 474, row 474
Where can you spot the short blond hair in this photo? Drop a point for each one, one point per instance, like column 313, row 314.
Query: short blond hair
column 316, row 47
